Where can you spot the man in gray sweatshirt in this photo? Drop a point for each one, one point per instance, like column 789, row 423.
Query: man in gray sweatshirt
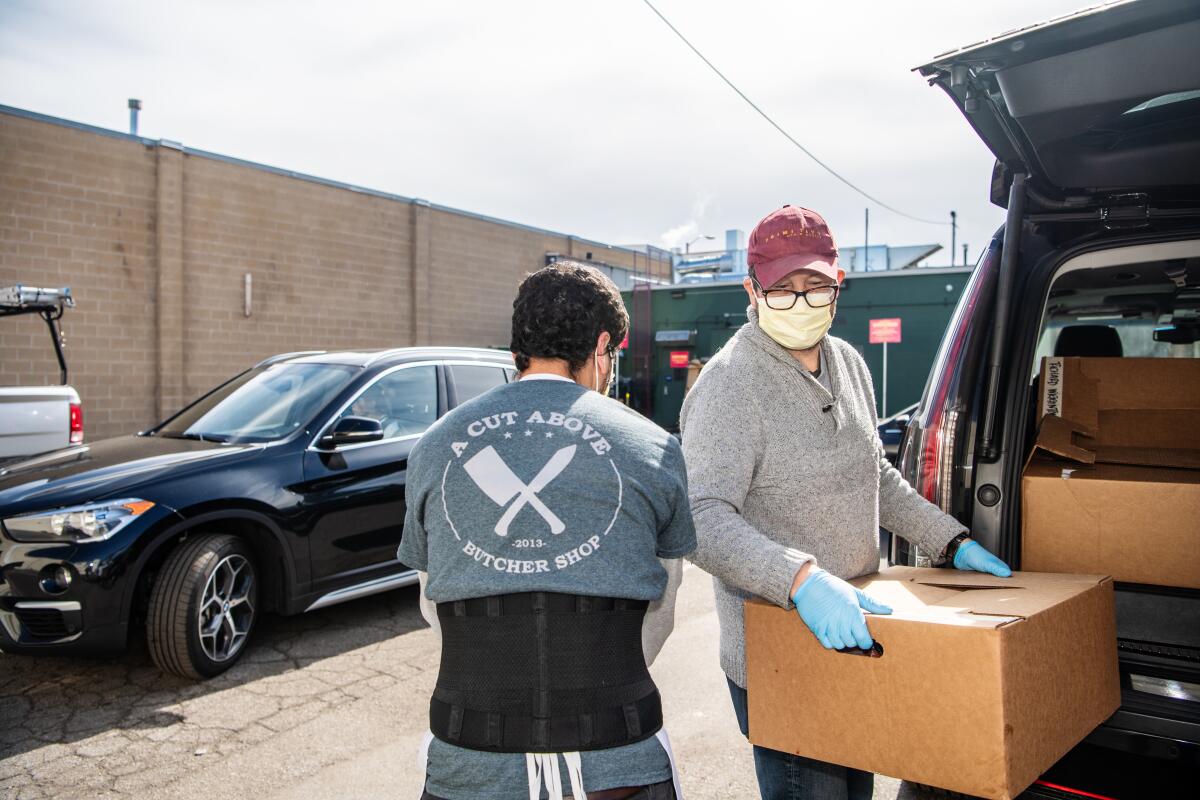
column 788, row 479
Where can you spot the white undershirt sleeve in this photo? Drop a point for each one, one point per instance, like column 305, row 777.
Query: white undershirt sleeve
column 428, row 607
column 660, row 616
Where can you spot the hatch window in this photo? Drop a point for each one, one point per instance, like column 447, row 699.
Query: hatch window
column 1146, row 310
column 1165, row 100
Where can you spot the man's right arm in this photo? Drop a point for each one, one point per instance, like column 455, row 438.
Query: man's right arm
column 721, row 441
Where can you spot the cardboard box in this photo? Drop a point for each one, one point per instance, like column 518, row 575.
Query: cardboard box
column 1113, row 483
column 983, row 683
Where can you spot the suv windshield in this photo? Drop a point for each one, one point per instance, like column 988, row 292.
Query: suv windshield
column 260, row 405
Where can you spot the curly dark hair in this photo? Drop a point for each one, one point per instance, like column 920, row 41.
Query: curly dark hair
column 560, row 311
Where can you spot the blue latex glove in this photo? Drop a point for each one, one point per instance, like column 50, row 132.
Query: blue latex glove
column 833, row 610
column 971, row 555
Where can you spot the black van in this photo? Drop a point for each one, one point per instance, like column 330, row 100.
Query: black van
column 1094, row 120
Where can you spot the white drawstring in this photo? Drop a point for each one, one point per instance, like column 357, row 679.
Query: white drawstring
column 665, row 741
column 533, row 772
column 575, row 774
column 543, row 768
column 552, row 776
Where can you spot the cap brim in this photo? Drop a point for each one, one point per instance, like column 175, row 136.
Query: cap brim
column 772, row 272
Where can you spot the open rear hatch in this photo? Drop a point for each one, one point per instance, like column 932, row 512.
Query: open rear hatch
column 1100, row 109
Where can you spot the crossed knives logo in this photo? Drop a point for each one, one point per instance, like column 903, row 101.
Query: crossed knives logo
column 497, row 480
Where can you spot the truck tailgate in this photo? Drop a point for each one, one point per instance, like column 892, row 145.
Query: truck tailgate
column 34, row 419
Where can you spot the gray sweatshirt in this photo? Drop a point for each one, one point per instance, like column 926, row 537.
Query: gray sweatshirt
column 776, row 481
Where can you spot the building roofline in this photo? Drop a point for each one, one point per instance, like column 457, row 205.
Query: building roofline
column 287, row 173
column 880, row 273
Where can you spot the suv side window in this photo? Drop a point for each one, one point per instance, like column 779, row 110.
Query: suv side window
column 404, row 401
column 471, row 381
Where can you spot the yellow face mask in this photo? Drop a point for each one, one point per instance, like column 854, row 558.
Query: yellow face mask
column 798, row 328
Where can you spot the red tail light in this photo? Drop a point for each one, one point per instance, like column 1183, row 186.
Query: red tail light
column 1076, row 792
column 927, row 453
column 76, row 423
column 937, row 457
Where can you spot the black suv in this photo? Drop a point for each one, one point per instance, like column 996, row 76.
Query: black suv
column 280, row 490
column 1095, row 123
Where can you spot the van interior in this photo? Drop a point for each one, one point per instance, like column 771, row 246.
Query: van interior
column 1138, row 309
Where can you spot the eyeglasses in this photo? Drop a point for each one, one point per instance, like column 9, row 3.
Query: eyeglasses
column 785, row 299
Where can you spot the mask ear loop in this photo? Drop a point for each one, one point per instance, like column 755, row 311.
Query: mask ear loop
column 608, row 384
column 760, row 296
column 596, row 372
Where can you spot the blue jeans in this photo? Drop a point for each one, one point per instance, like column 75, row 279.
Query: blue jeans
column 783, row 776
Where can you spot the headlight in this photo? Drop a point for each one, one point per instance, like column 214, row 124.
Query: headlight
column 93, row 522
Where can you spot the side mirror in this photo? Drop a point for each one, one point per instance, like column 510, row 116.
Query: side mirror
column 352, row 430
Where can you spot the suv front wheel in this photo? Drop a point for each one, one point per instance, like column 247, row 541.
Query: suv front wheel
column 203, row 606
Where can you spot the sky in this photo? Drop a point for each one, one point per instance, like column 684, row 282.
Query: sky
column 587, row 118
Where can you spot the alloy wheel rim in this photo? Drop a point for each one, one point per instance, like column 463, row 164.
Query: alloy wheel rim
column 226, row 608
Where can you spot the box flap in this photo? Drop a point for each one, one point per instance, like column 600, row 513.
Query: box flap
column 1058, row 437
column 1062, row 438
column 974, row 599
column 935, row 576
column 1137, row 411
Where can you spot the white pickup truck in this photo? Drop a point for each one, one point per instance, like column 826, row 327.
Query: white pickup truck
column 36, row 419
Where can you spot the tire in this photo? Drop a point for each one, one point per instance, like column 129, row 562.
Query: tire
column 203, row 606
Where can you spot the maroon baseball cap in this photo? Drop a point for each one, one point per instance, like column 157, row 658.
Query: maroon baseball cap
column 791, row 239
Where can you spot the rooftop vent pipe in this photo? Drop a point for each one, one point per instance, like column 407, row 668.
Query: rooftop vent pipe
column 135, row 106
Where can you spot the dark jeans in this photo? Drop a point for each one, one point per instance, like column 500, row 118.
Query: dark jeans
column 783, row 776
column 657, row 791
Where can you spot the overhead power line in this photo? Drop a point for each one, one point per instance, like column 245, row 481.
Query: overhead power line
column 787, row 135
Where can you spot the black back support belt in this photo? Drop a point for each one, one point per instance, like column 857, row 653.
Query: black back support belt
column 541, row 672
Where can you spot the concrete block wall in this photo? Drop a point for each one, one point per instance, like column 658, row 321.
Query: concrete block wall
column 80, row 210
column 155, row 242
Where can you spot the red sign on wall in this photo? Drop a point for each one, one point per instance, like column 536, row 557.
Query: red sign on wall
column 680, row 359
column 885, row 331
column 624, row 342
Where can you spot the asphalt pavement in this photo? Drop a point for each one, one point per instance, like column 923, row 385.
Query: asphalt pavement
column 330, row 704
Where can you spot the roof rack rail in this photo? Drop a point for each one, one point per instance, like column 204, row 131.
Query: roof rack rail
column 22, row 299
column 285, row 356
column 395, row 351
